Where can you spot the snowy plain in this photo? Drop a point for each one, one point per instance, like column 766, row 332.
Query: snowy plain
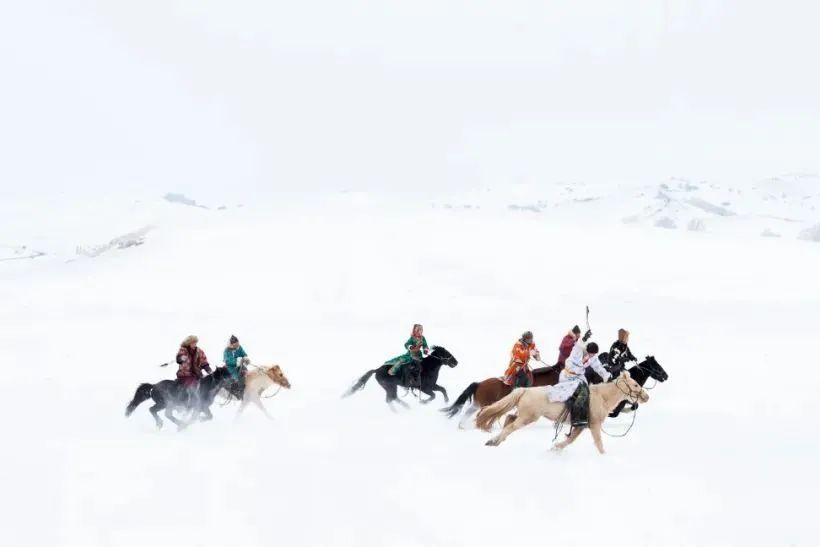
column 480, row 167
column 327, row 287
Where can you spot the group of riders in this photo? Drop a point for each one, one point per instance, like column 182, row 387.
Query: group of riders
column 192, row 362
column 575, row 356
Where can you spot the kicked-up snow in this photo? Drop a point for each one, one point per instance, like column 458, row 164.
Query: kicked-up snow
column 724, row 453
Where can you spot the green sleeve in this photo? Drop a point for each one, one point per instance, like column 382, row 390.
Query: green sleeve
column 241, row 352
column 225, row 355
column 424, row 342
column 410, row 342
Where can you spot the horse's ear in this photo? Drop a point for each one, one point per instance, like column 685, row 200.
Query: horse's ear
column 625, row 374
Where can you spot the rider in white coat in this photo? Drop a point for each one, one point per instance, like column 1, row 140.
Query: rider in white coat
column 583, row 356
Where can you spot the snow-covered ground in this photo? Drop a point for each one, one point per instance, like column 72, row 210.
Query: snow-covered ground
column 723, row 454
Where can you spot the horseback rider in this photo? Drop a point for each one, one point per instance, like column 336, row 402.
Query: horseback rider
column 572, row 383
column 235, row 358
column 620, row 354
column 192, row 361
column 417, row 349
column 236, row 361
column 567, row 343
column 519, row 373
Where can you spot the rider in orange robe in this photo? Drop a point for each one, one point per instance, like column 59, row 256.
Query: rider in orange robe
column 518, row 372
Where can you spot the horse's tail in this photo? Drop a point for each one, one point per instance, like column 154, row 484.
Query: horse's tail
column 360, row 384
column 465, row 396
column 143, row 394
column 488, row 415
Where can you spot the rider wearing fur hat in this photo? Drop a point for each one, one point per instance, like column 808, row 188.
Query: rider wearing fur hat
column 192, row 362
column 519, row 373
column 619, row 353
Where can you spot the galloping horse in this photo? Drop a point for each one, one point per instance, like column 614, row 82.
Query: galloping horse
column 430, row 366
column 494, row 389
column 533, row 403
column 170, row 395
column 256, row 382
column 649, row 368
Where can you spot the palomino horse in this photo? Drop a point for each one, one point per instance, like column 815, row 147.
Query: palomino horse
column 256, row 382
column 533, row 403
column 493, row 389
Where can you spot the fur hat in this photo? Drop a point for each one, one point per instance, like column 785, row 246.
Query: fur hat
column 576, row 329
column 233, row 339
column 623, row 335
column 189, row 340
column 592, row 348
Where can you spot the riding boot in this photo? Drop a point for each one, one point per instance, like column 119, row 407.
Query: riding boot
column 580, row 406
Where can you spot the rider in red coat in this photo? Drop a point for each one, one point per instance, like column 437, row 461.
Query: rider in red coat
column 192, row 362
column 567, row 344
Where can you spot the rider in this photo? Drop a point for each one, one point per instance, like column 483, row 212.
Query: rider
column 235, row 358
column 572, row 382
column 416, row 347
column 233, row 353
column 518, row 372
column 192, row 362
column 619, row 353
column 567, row 343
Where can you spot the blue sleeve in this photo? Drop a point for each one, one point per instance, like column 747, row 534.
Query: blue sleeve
column 241, row 352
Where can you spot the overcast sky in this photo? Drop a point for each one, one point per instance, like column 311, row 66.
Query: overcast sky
column 199, row 95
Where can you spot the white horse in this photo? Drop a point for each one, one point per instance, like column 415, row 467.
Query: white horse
column 533, row 403
column 256, row 382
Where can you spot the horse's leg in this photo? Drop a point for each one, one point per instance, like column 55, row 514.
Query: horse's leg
column 154, row 412
column 510, row 419
column 576, row 432
column 208, row 415
column 169, row 414
column 595, row 429
column 521, row 421
column 428, row 391
column 258, row 402
column 443, row 392
column 618, row 409
column 242, row 404
column 468, row 415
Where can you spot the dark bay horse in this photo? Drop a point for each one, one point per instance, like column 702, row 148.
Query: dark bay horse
column 491, row 390
column 170, row 395
column 430, row 366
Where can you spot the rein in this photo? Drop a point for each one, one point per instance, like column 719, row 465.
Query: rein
column 629, row 394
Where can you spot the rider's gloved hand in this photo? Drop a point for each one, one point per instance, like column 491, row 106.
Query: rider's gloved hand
column 587, row 335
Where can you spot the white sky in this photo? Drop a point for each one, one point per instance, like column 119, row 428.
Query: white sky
column 205, row 95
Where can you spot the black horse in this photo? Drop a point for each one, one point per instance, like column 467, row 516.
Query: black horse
column 170, row 395
column 641, row 372
column 424, row 381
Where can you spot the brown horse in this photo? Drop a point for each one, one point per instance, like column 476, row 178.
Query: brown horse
column 494, row 389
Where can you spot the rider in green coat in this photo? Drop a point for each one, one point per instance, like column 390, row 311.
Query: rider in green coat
column 416, row 347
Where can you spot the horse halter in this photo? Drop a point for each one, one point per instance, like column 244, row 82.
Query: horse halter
column 635, row 396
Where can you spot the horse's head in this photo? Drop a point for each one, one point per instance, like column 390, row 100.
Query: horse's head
column 277, row 376
column 655, row 369
column 444, row 356
column 630, row 388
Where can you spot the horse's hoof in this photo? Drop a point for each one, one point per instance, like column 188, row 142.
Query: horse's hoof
column 491, row 442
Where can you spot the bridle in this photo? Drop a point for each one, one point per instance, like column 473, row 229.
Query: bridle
column 629, row 393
